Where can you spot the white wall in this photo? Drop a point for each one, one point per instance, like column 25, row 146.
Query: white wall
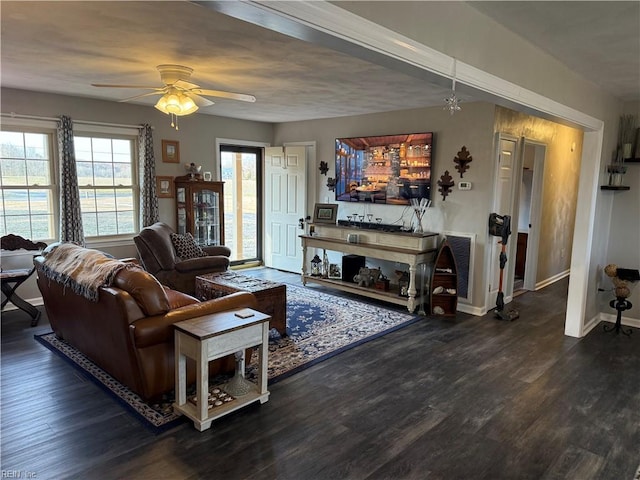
column 623, row 247
column 462, row 211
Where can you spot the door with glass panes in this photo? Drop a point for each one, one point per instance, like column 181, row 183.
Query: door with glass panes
column 241, row 171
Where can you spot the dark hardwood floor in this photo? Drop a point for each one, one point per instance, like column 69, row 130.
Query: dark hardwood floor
column 459, row 398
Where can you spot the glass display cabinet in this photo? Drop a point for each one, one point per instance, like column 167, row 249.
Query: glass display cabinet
column 199, row 209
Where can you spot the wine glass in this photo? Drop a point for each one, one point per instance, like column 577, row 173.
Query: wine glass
column 369, row 217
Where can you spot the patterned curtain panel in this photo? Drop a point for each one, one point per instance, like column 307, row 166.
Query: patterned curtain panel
column 148, row 198
column 70, row 214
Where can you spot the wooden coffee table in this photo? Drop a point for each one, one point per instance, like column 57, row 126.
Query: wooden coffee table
column 271, row 296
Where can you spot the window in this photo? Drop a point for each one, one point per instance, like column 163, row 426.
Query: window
column 28, row 200
column 240, row 170
column 106, row 165
column 106, row 183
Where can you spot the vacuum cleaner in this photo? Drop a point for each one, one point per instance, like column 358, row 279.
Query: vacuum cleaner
column 500, row 226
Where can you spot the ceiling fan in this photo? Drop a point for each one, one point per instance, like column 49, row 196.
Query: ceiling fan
column 179, row 96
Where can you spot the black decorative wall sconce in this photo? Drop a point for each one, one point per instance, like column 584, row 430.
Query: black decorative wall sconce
column 324, row 168
column 462, row 160
column 446, row 183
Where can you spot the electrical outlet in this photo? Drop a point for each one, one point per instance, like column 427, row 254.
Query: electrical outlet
column 464, row 185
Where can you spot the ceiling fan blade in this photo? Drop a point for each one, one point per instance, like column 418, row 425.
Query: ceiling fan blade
column 135, row 97
column 200, row 101
column 141, row 87
column 183, row 84
column 217, row 93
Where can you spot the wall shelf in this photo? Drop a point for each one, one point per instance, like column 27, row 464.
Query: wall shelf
column 614, row 187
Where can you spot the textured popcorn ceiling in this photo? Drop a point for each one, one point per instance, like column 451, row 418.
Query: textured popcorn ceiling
column 63, row 47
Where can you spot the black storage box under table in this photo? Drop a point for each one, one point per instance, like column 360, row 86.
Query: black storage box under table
column 351, row 265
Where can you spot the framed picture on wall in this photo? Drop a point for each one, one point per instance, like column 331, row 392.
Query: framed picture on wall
column 325, row 213
column 164, row 187
column 170, row 151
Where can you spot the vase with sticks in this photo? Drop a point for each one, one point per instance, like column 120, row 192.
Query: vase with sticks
column 419, row 209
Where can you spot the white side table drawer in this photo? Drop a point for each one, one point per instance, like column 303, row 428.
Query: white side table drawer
column 234, row 341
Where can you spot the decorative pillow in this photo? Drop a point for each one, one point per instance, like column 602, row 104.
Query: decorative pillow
column 186, row 246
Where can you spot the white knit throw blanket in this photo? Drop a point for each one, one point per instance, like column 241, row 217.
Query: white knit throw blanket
column 82, row 269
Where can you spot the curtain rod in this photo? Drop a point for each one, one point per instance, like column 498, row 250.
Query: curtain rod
column 55, row 119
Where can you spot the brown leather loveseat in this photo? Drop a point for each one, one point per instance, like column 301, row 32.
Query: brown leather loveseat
column 128, row 331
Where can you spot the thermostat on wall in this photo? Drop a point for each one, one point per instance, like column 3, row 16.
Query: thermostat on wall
column 464, row 185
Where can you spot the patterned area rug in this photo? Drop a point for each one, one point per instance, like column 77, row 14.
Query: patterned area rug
column 319, row 326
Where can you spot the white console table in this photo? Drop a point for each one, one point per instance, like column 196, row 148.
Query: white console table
column 408, row 248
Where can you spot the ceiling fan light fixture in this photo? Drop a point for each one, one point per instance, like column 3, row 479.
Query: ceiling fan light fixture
column 161, row 104
column 187, row 105
column 173, row 104
column 176, row 104
column 179, row 96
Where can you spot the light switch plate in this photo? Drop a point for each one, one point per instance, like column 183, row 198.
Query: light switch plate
column 464, row 185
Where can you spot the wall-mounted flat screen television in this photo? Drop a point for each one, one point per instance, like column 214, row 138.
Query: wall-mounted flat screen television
column 388, row 169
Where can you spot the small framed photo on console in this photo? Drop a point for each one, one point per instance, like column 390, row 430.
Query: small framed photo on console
column 334, row 271
column 325, row 213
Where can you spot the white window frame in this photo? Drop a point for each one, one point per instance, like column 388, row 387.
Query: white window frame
column 81, row 129
column 48, row 128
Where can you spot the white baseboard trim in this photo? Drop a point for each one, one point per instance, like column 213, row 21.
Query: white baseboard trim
column 627, row 321
column 591, row 324
column 553, row 279
column 470, row 309
column 609, row 317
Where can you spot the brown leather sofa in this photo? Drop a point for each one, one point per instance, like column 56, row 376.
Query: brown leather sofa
column 159, row 258
column 129, row 331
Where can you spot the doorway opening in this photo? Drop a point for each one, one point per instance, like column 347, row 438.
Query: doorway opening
column 529, row 211
column 241, row 171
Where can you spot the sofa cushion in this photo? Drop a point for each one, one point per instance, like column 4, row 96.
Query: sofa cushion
column 203, row 265
column 145, row 289
column 186, row 246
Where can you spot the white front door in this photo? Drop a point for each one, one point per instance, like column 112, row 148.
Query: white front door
column 285, row 196
column 503, row 204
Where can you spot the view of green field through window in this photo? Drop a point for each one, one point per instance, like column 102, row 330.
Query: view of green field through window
column 27, row 190
column 239, row 172
column 106, row 182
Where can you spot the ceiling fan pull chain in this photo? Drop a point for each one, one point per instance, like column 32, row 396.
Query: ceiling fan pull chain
column 174, row 120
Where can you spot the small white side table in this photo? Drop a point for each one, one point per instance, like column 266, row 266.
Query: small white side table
column 213, row 336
